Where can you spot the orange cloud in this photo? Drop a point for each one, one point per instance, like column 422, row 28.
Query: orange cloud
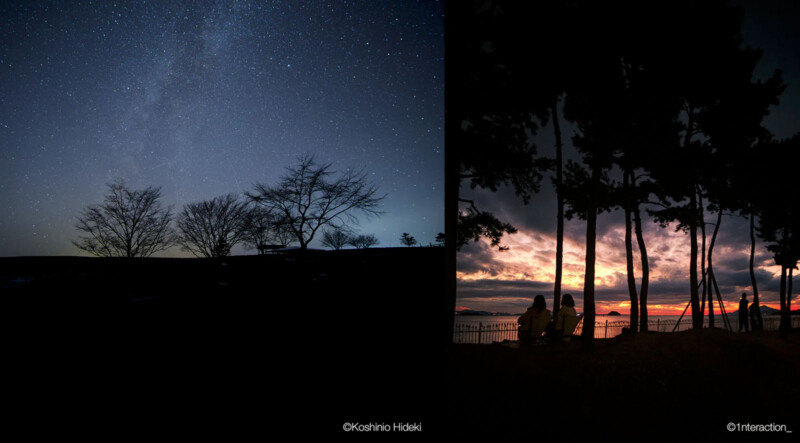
column 531, row 258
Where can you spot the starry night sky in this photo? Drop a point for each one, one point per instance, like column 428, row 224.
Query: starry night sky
column 207, row 98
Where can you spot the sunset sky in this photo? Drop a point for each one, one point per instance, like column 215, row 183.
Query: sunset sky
column 507, row 281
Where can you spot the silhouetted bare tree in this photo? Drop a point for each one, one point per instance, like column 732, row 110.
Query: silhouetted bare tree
column 127, row 224
column 336, row 238
column 283, row 233
column 210, row 228
column 263, row 228
column 308, row 198
column 363, row 241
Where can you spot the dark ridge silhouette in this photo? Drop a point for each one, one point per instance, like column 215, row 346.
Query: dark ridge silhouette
column 329, row 336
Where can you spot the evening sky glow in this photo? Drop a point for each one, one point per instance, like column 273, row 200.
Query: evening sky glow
column 505, row 281
column 494, row 281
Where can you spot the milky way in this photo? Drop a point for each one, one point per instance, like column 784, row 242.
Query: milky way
column 207, row 98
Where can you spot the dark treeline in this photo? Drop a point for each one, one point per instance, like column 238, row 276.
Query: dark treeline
column 306, row 199
column 668, row 125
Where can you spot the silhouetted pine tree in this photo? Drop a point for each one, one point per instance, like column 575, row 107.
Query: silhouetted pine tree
column 779, row 217
column 710, row 74
column 646, row 124
column 491, row 114
column 555, row 30
column 750, row 183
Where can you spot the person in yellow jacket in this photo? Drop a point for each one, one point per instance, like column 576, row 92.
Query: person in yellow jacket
column 567, row 318
column 533, row 322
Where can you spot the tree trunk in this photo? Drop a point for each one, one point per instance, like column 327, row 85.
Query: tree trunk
column 560, row 203
column 711, row 269
column 637, row 220
column 697, row 315
column 789, row 299
column 758, row 326
column 789, row 291
column 587, row 335
column 704, row 279
column 634, row 314
column 784, row 330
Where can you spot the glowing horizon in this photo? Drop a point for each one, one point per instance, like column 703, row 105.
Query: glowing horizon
column 495, row 281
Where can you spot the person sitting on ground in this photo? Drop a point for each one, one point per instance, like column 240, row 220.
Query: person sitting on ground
column 533, row 321
column 567, row 318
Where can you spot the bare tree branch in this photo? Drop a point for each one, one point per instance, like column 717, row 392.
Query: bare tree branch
column 336, row 238
column 127, row 224
column 211, row 228
column 308, row 198
column 363, row 241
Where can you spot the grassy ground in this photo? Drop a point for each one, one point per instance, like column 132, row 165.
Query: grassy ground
column 690, row 383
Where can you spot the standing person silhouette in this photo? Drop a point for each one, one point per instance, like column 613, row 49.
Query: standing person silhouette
column 533, row 321
column 743, row 313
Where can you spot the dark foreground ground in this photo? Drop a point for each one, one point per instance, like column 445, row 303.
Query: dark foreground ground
column 262, row 345
column 685, row 386
column 299, row 346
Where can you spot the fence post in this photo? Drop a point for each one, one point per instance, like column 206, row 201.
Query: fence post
column 658, row 325
column 480, row 330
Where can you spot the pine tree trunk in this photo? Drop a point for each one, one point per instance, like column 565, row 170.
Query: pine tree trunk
column 587, row 335
column 637, row 220
column 711, row 268
column 634, row 314
column 758, row 326
column 789, row 291
column 789, row 300
column 560, row 221
column 697, row 315
column 784, row 330
column 703, row 273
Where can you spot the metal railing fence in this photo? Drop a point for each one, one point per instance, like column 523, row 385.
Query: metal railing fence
column 497, row 332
